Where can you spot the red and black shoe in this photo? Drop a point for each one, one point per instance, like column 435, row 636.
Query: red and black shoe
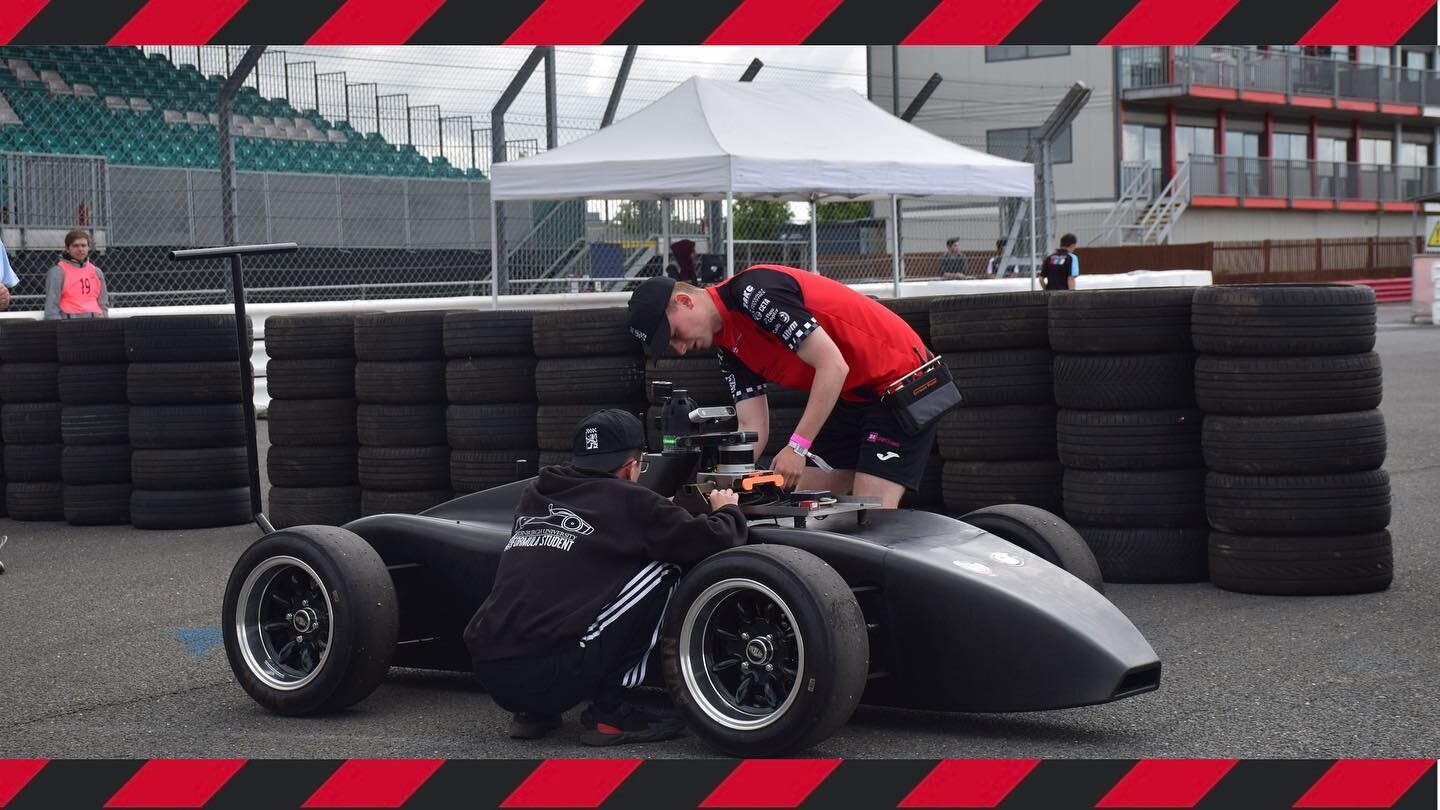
column 628, row 724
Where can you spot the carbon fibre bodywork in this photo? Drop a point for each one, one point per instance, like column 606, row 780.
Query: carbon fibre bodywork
column 959, row 619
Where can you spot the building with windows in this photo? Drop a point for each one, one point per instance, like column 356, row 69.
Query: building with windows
column 1198, row 144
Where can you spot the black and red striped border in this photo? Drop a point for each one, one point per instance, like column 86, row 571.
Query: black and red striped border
column 634, row 783
column 717, row 22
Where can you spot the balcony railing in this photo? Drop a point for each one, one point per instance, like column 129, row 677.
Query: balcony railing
column 1293, row 74
column 1309, row 179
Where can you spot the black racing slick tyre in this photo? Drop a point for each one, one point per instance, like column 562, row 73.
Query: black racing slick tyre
column 1302, row 566
column 1295, row 505
column 1121, row 321
column 1011, row 320
column 1288, row 386
column 1284, row 319
column 310, row 620
column 764, row 650
column 1043, row 534
column 1149, row 555
column 1295, row 445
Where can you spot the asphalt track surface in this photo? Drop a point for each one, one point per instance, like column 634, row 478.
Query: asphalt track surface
column 109, row 647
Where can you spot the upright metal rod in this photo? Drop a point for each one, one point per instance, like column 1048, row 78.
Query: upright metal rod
column 552, row 124
column 495, row 249
column 751, row 70
column 665, row 214
column 895, row 241
column 499, row 267
column 922, row 97
column 244, row 343
column 620, row 79
column 1033, row 266
column 730, row 234
column 814, row 240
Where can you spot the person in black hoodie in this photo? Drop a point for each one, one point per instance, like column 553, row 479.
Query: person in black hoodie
column 582, row 585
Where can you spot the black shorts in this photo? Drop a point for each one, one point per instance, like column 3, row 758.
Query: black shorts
column 866, row 437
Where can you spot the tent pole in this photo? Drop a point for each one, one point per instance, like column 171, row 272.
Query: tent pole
column 1033, row 266
column 664, row 233
column 494, row 257
column 814, row 241
column 730, row 234
column 895, row 241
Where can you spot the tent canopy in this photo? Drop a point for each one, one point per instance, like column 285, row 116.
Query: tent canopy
column 707, row 138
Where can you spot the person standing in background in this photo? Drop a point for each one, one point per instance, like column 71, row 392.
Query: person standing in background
column 8, row 279
column 1062, row 267
column 75, row 287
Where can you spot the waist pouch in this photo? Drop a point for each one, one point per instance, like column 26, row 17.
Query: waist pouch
column 922, row 396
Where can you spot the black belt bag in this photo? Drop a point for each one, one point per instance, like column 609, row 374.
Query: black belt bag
column 922, row 396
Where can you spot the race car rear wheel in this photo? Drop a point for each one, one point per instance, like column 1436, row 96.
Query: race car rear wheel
column 309, row 620
column 765, row 650
column 1042, row 534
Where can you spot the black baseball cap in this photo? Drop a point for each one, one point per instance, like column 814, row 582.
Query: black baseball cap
column 604, row 440
column 648, row 321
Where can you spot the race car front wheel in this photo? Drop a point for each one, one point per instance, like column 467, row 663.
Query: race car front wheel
column 1042, row 534
column 309, row 620
column 765, row 650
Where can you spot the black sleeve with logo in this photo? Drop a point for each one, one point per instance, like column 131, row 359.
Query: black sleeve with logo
column 774, row 301
column 744, row 383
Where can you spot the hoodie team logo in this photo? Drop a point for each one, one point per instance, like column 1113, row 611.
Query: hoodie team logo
column 559, row 518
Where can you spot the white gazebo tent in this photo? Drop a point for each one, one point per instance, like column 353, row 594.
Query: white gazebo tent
column 729, row 140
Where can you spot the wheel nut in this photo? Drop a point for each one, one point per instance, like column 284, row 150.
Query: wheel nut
column 744, row 636
column 304, row 603
column 769, row 667
column 745, row 667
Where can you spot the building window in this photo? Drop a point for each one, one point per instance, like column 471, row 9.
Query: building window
column 1375, row 151
column 1289, row 146
column 1416, row 60
column 1012, row 143
column 1332, row 150
column 1414, row 154
column 1193, row 141
column 1006, row 53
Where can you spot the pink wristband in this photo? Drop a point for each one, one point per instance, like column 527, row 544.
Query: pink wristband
column 796, row 438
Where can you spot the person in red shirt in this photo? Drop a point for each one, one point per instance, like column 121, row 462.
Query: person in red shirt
column 75, row 287
column 771, row 323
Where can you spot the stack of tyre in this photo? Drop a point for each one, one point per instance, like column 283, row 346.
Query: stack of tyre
column 312, row 461
column 1128, row 431
column 94, row 421
column 586, row 361
column 930, row 496
column 189, row 467
column 404, row 457
column 1290, row 385
column 30, row 420
column 999, row 446
column 490, row 385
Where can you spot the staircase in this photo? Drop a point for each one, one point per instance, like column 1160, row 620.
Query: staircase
column 1140, row 217
column 1159, row 217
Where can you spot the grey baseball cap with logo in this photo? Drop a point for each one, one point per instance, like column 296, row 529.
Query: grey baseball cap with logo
column 604, row 440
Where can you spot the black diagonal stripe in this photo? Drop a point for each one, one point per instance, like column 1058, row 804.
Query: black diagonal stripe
column 666, row 22
column 272, row 783
column 1065, row 22
column 1066, row 784
column 78, row 22
column 1267, row 21
column 74, row 783
column 1261, row 784
column 1421, row 795
column 276, row 21
column 868, row 783
column 872, row 22
column 471, row 783
column 669, row 783
column 473, row 23
column 1423, row 32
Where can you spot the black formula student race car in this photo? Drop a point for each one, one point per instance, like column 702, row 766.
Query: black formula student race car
column 765, row 649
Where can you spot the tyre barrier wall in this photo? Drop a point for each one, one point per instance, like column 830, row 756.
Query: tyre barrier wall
column 490, row 387
column 95, row 459
column 1128, row 432
column 586, row 361
column 30, row 421
column 313, row 461
column 1293, row 440
column 404, row 457
column 999, row 446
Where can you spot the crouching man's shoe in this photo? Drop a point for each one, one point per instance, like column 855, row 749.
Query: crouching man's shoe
column 527, row 726
column 628, row 724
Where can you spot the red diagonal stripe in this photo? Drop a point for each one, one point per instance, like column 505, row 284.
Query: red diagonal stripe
column 1365, row 22
column 770, row 783
column 175, row 783
column 181, row 22
column 1365, row 783
column 970, row 22
column 373, row 782
column 772, row 22
column 571, row 783
column 572, row 22
column 15, row 774
column 375, row 22
column 17, row 14
column 969, row 783
column 1168, row 22
column 1167, row 783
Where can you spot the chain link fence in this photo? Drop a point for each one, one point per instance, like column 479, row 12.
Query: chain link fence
column 374, row 160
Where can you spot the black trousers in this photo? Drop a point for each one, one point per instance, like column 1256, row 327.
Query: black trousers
column 601, row 671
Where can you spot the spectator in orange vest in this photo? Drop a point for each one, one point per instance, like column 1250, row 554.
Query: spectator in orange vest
column 75, row 287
